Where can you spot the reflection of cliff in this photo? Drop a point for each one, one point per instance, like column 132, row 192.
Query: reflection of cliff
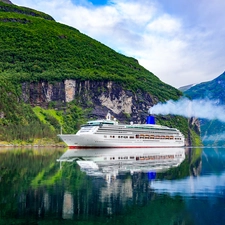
column 67, row 208
column 170, row 196
column 44, row 190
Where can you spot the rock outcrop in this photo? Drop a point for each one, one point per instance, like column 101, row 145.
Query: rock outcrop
column 100, row 96
column 6, row 1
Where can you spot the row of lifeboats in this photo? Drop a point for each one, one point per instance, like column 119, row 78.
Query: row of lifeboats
column 147, row 136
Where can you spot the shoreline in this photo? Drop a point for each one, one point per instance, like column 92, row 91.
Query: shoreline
column 32, row 146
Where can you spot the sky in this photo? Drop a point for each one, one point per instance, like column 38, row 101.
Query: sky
column 180, row 41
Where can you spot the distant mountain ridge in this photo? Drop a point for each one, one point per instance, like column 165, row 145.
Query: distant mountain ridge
column 186, row 87
column 213, row 90
column 9, row 7
column 6, row 1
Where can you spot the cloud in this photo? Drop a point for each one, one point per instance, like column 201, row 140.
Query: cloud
column 199, row 108
column 181, row 44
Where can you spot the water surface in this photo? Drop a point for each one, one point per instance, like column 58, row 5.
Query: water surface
column 112, row 186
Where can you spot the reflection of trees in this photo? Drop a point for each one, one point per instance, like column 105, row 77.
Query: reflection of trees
column 33, row 187
column 18, row 169
column 192, row 165
column 195, row 160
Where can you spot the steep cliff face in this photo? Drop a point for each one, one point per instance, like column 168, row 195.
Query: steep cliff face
column 101, row 97
column 194, row 132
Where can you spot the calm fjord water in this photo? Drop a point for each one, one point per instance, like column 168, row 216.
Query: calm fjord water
column 55, row 186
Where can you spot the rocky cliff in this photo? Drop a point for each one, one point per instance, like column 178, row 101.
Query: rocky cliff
column 100, row 96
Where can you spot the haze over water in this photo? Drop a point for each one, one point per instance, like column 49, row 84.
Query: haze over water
column 35, row 188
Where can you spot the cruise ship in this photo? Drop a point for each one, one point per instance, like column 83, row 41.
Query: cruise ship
column 108, row 133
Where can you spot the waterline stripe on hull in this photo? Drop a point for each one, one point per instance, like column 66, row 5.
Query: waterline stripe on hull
column 81, row 147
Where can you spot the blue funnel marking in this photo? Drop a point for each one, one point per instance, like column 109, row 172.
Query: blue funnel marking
column 150, row 120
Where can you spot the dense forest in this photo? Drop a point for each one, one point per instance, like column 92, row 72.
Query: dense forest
column 35, row 48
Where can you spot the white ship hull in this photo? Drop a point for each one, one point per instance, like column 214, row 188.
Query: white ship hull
column 99, row 141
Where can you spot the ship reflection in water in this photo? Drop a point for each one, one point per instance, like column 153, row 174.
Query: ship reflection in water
column 109, row 163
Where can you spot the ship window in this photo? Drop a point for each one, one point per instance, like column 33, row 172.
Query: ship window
column 131, row 157
column 132, row 137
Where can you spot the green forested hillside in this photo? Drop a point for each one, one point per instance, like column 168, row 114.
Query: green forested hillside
column 36, row 48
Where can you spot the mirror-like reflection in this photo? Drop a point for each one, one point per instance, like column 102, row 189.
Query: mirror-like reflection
column 110, row 162
column 112, row 186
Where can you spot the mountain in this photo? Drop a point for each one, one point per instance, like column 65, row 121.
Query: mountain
column 53, row 75
column 212, row 132
column 186, row 87
column 212, row 90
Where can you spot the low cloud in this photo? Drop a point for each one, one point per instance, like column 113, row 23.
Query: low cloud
column 199, row 108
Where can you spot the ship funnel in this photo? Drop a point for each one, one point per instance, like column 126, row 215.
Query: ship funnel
column 150, row 118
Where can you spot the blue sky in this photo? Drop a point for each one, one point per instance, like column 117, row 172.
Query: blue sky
column 96, row 2
column 180, row 41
